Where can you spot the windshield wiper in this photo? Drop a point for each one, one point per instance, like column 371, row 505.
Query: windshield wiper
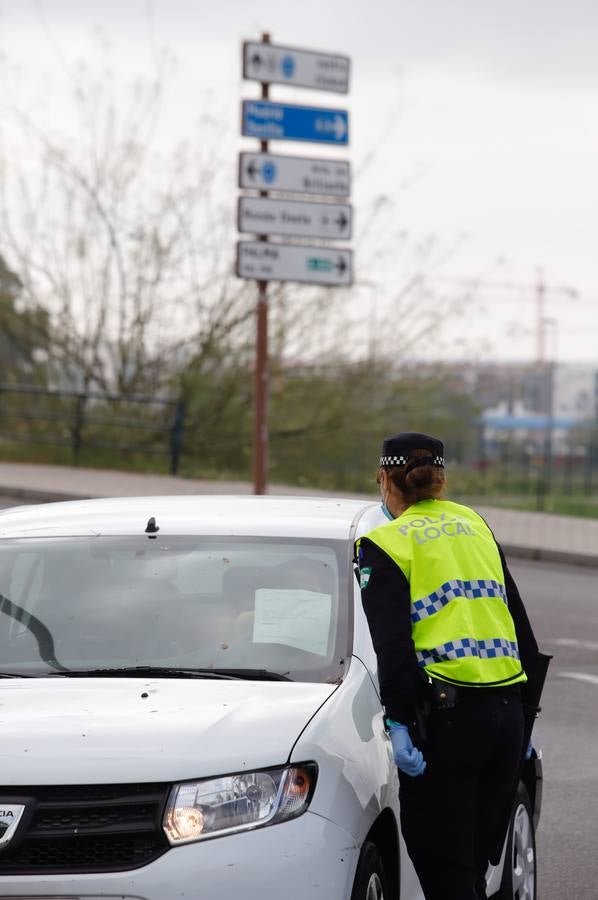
column 254, row 674
column 41, row 633
column 172, row 672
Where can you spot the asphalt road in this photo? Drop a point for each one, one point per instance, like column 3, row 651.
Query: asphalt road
column 562, row 602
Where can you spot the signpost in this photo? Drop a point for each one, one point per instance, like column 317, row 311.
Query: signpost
column 264, row 260
column 288, row 122
column 261, row 215
column 294, row 174
column 300, row 68
column 294, row 262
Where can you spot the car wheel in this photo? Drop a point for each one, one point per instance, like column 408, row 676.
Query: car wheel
column 519, row 873
column 370, row 879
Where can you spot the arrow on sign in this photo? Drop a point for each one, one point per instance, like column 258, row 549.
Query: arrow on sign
column 256, row 60
column 317, row 264
column 340, row 129
column 342, row 221
column 335, row 125
column 252, row 169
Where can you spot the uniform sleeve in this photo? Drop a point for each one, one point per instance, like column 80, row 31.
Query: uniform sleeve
column 528, row 647
column 387, row 604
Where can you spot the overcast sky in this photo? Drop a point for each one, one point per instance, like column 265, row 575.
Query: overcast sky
column 493, row 138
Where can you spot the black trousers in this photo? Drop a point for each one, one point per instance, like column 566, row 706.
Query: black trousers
column 455, row 815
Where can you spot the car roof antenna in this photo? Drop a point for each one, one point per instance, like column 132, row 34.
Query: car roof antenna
column 151, row 529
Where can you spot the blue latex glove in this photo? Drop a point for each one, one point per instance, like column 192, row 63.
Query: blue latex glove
column 528, row 752
column 408, row 758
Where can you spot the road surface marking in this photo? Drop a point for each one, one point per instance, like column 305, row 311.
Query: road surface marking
column 572, row 642
column 580, row 676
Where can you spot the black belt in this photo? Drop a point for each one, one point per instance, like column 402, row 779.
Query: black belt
column 444, row 695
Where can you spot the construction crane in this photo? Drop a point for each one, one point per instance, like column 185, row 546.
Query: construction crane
column 538, row 290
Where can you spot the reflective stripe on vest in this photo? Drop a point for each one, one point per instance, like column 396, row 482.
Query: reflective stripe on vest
column 461, row 625
column 488, row 649
column 472, row 590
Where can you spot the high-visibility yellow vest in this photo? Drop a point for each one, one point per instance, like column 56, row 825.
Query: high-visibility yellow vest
column 462, row 629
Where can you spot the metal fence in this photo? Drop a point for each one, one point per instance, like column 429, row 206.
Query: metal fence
column 125, row 431
column 565, row 481
column 92, row 421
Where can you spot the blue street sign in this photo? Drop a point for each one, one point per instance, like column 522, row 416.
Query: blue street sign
column 287, row 122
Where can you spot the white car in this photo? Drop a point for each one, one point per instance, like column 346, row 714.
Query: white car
column 189, row 708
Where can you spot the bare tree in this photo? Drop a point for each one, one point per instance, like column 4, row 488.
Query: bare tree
column 127, row 249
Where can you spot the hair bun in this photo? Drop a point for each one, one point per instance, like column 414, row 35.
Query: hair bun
column 421, row 477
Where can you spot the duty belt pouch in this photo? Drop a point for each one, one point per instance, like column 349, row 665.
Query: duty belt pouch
column 443, row 694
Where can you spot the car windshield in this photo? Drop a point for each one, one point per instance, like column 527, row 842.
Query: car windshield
column 278, row 605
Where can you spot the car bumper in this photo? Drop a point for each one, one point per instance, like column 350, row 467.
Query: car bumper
column 309, row 857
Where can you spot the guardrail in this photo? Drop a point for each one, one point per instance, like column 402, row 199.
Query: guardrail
column 90, row 420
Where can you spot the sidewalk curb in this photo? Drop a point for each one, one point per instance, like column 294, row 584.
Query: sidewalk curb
column 539, row 554
column 38, row 496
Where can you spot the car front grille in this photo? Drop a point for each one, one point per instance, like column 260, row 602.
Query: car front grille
column 92, row 828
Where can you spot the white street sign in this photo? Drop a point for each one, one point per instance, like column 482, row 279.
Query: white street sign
column 291, row 262
column 300, row 68
column 295, row 174
column 295, row 218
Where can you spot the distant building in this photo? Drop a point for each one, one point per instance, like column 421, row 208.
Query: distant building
column 532, row 405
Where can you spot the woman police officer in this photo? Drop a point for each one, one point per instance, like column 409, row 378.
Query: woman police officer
column 453, row 644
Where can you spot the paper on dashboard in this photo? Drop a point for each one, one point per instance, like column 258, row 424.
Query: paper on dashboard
column 295, row 618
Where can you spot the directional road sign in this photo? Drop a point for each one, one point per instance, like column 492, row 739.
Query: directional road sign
column 291, row 262
column 262, row 215
column 302, row 68
column 296, row 174
column 288, row 122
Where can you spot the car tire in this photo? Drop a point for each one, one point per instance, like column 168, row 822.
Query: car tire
column 519, row 877
column 370, row 879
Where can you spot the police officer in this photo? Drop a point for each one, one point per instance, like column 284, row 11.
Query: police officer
column 453, row 644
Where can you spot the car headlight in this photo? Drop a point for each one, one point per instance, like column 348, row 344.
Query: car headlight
column 218, row 806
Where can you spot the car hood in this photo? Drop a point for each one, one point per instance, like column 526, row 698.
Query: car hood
column 100, row 730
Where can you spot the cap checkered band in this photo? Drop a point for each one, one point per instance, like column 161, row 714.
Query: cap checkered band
column 450, row 590
column 402, row 460
column 393, row 460
column 490, row 648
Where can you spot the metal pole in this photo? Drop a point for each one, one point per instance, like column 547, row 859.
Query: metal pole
column 540, row 296
column 548, row 432
column 260, row 378
column 260, row 418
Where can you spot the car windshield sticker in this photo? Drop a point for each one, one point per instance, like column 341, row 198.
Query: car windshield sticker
column 364, row 576
column 295, row 618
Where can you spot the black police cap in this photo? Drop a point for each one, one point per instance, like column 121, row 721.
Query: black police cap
column 396, row 449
